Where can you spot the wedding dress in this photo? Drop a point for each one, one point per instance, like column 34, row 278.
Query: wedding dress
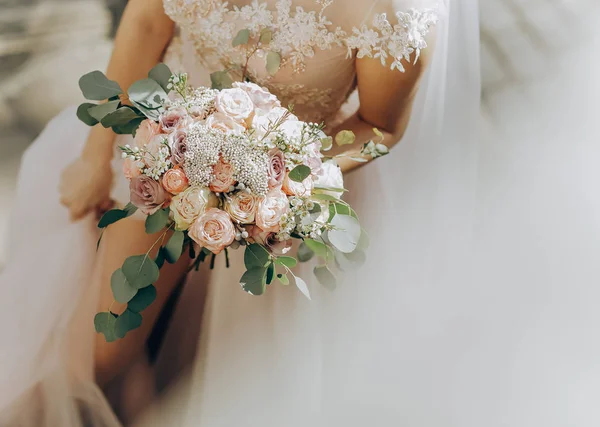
column 279, row 359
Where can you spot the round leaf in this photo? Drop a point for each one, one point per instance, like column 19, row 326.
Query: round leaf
column 287, row 261
column 111, row 217
column 104, row 323
column 300, row 173
column 140, row 270
column 84, row 115
column 305, row 254
column 174, row 247
column 241, row 38
column 273, row 62
column 317, row 247
column 255, row 256
column 161, row 74
column 142, row 299
column 345, row 137
column 126, row 322
column 97, row 87
column 346, row 234
column 120, row 117
column 157, row 221
column 325, row 277
column 98, row 112
column 121, row 288
column 283, row 279
column 254, row 281
column 266, row 35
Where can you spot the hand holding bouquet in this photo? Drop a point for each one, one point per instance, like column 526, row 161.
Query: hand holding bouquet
column 219, row 170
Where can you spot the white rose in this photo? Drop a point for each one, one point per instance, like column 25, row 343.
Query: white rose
column 330, row 176
column 190, row 204
column 262, row 120
column 292, row 129
column 234, row 103
column 224, row 123
column 262, row 98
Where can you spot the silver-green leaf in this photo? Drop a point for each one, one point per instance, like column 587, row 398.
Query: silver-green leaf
column 299, row 173
column 241, row 38
column 140, row 271
column 121, row 288
column 346, row 233
column 325, row 277
column 98, row 112
column 273, row 62
column 96, row 86
column 254, row 281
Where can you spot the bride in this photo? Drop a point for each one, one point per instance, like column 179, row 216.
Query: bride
column 278, row 359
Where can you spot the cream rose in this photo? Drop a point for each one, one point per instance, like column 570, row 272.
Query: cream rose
column 234, row 103
column 331, row 176
column 147, row 130
column 242, row 207
column 190, row 204
column 175, row 181
column 261, row 98
column 213, row 230
column 223, row 177
column 293, row 188
column 224, row 123
column 271, row 209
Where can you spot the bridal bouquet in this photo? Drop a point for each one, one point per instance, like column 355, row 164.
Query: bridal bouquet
column 215, row 170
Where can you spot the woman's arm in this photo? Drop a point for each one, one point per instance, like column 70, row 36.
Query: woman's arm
column 143, row 34
column 386, row 99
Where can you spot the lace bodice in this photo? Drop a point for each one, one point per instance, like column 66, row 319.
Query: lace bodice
column 315, row 43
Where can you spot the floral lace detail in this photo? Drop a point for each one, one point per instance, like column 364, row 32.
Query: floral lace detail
column 297, row 33
column 398, row 41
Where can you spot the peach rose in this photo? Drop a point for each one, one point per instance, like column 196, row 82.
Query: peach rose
column 242, row 207
column 213, row 230
column 131, row 168
column 147, row 130
column 234, row 103
column 175, row 181
column 224, row 123
column 301, row 189
column 271, row 209
column 190, row 204
column 223, row 177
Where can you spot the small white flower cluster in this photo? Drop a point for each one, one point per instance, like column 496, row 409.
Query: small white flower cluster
column 199, row 103
column 306, row 219
column 154, row 164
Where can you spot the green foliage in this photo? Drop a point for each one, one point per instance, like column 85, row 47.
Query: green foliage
column 273, row 62
column 140, row 271
column 120, row 117
column 98, row 112
column 148, row 96
column 287, row 261
column 254, row 281
column 300, row 173
column 112, row 216
column 174, row 247
column 326, row 143
column 122, row 289
column 157, row 221
column 84, row 115
column 305, row 254
column 161, row 74
column 302, row 286
column 128, row 128
column 266, row 35
column 325, row 277
column 255, row 256
column 319, row 248
column 221, row 80
column 104, row 323
column 345, row 137
column 346, row 234
column 270, row 273
column 242, row 37
column 126, row 322
column 283, row 279
column 142, row 299
column 341, row 208
column 96, row 86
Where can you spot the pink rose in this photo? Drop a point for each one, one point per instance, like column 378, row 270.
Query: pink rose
column 131, row 168
column 301, row 189
column 175, row 181
column 262, row 98
column 271, row 209
column 242, row 207
column 234, row 103
column 224, row 123
column 276, row 169
column 147, row 194
column 178, row 146
column 223, row 177
column 269, row 240
column 176, row 118
column 213, row 230
column 147, row 130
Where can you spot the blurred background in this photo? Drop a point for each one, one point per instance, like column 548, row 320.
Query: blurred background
column 45, row 45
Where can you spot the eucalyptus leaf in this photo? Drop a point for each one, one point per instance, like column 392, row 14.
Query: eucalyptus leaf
column 301, row 284
column 299, row 173
column 142, row 299
column 220, row 80
column 345, row 137
column 341, row 209
column 130, row 208
column 377, row 132
column 254, row 281
column 283, row 279
column 241, row 38
column 346, row 234
column 99, row 111
column 270, row 273
column 157, row 221
column 145, row 91
column 140, row 270
column 84, row 115
column 255, row 256
column 97, row 87
column 266, row 35
column 126, row 322
column 174, row 247
column 325, row 197
column 320, row 188
column 273, row 62
column 129, row 128
column 120, row 117
column 305, row 254
column 326, row 143
column 288, row 261
column 363, row 242
column 111, row 216
column 160, row 257
column 359, row 159
column 104, row 323
column 325, row 277
column 121, row 288
column 319, row 248
column 161, row 74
